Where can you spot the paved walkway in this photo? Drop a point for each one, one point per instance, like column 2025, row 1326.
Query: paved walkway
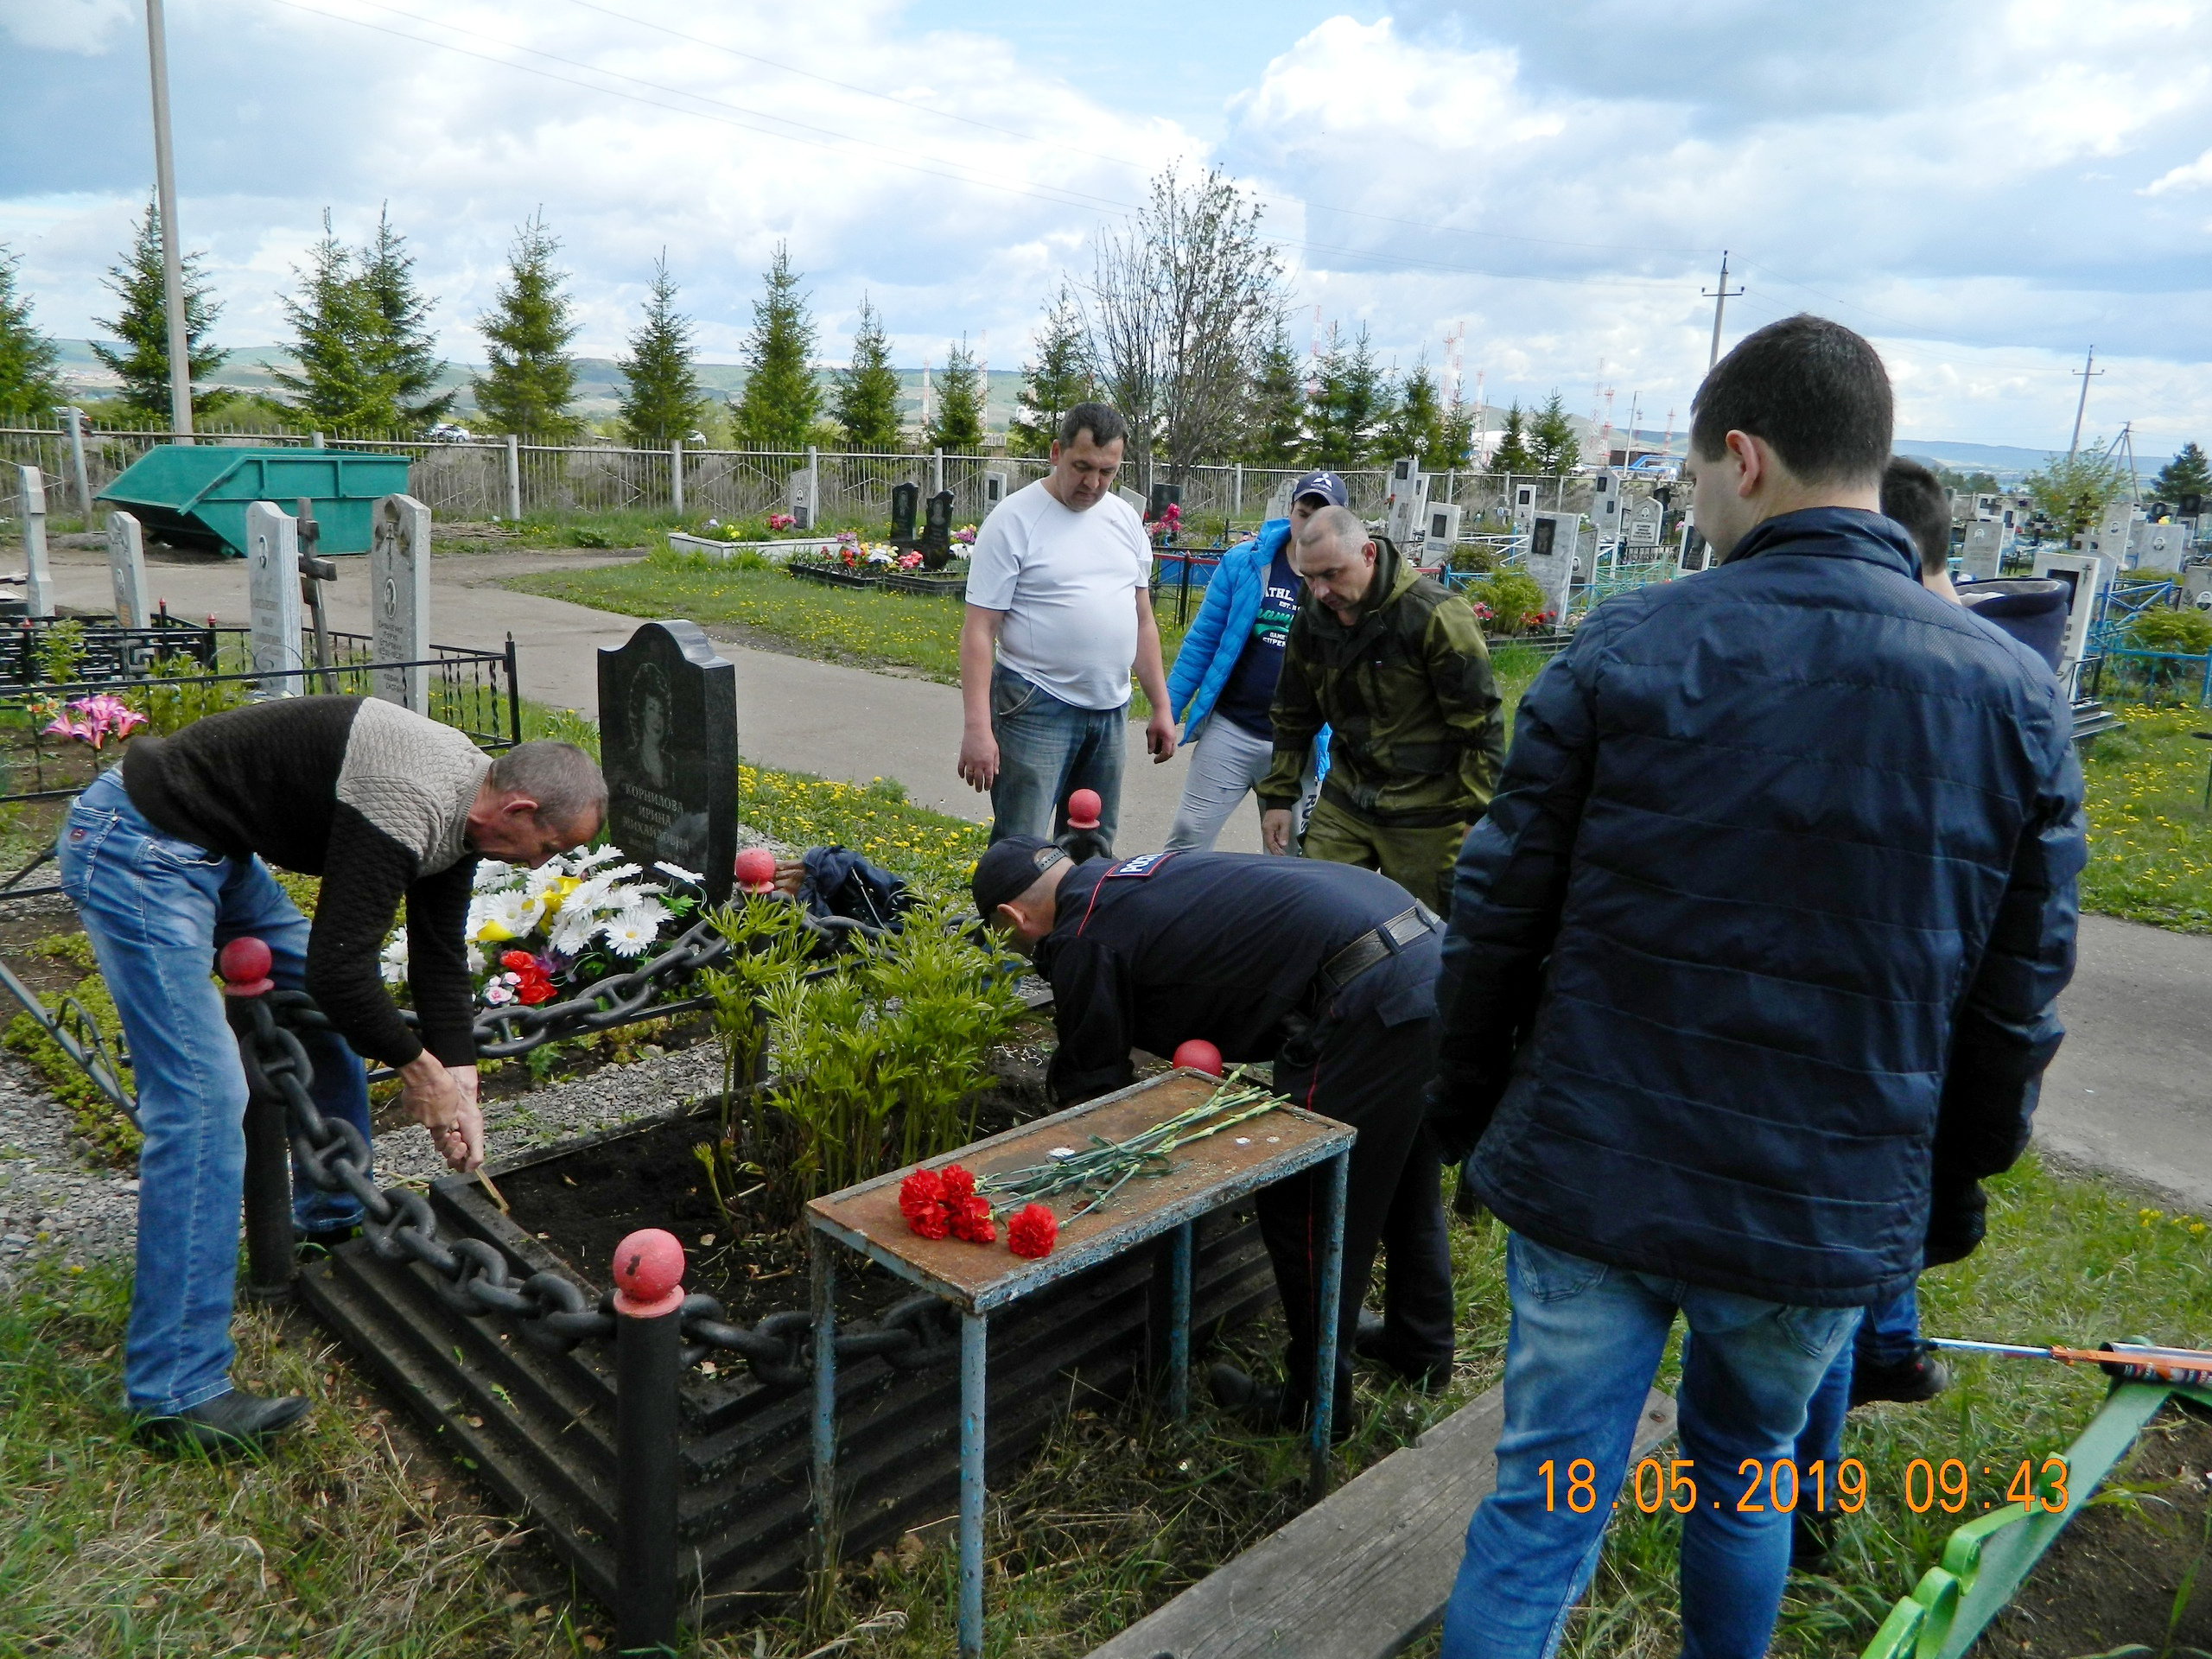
column 2130, row 1091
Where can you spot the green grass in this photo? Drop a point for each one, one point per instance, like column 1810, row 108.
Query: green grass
column 2150, row 837
column 335, row 1548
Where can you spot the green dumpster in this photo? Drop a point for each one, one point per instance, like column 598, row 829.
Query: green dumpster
column 195, row 495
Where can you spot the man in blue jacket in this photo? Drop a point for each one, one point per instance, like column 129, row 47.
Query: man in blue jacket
column 1749, row 981
column 1225, row 670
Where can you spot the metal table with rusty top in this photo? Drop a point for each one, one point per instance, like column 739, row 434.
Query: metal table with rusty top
column 1202, row 1176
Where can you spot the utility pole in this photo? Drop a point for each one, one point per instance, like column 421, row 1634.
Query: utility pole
column 1719, row 296
column 157, row 53
column 2087, row 371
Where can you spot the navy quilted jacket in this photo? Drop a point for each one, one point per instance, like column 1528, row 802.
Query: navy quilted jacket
column 1758, row 943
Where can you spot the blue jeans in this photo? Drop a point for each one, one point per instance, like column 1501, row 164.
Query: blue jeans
column 157, row 910
column 1047, row 750
column 1584, row 1344
column 1889, row 1335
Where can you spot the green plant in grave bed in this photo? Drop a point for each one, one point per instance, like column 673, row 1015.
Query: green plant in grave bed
column 180, row 696
column 61, row 651
column 2188, row 632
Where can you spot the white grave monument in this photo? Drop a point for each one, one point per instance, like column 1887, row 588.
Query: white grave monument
column 38, row 585
column 2086, row 575
column 1553, row 537
column 1696, row 553
column 272, row 575
column 1983, row 553
column 2156, row 547
column 1606, row 507
column 994, row 491
column 399, row 600
column 2108, row 538
column 1134, row 500
column 1524, row 508
column 1643, row 522
column 1279, row 503
column 1409, row 500
column 126, row 571
column 801, row 498
column 1442, row 533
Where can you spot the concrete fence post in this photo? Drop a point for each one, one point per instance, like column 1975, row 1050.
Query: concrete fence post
column 936, row 472
column 514, row 477
column 38, row 591
column 73, row 420
column 675, row 476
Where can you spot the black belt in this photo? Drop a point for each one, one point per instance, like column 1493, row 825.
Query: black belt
column 1376, row 944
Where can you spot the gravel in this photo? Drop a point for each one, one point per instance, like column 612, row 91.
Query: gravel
column 53, row 1206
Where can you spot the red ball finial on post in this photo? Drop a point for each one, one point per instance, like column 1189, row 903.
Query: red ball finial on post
column 243, row 964
column 1199, row 1055
column 648, row 1274
column 1084, row 807
column 756, row 870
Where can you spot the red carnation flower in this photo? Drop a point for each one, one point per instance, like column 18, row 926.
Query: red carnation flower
column 930, row 1222
column 534, row 991
column 517, row 960
column 971, row 1219
column 958, row 1183
column 1031, row 1230
column 921, row 1193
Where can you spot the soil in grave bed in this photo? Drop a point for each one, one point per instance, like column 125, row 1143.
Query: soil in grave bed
column 753, row 1263
column 2130, row 1575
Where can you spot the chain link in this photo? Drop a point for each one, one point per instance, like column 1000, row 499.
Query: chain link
column 474, row 1278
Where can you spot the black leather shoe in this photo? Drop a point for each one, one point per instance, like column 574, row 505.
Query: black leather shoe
column 1265, row 1406
column 228, row 1424
column 1919, row 1378
column 1431, row 1376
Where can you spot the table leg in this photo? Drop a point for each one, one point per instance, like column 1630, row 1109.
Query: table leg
column 1327, row 1295
column 975, row 1330
column 1182, row 1249
column 824, row 1265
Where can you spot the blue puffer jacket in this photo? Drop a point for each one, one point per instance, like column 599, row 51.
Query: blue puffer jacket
column 1218, row 634
column 1752, row 961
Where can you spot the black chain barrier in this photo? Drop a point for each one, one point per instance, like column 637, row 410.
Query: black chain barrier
column 549, row 1310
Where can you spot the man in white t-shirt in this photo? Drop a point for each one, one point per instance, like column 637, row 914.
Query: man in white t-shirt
column 1060, row 607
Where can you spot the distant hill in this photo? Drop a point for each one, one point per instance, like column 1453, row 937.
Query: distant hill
column 598, row 384
column 2008, row 463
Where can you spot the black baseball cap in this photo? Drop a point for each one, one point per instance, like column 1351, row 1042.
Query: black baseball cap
column 1326, row 485
column 1010, row 869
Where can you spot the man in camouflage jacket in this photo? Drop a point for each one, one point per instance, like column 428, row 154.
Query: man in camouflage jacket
column 1394, row 664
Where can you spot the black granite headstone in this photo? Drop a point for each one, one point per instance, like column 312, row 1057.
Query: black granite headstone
column 668, row 745
column 906, row 503
column 937, row 532
column 1164, row 496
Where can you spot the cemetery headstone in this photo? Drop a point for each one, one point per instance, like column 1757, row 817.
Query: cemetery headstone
column 994, row 491
column 1697, row 552
column 668, row 745
column 1279, row 502
column 937, row 532
column 126, row 571
column 801, row 498
column 1983, row 553
column 1644, row 524
column 1443, row 533
column 399, row 600
column 2108, row 538
column 1164, row 496
column 1524, row 508
column 905, row 507
column 2156, row 547
column 2084, row 574
column 38, row 585
column 1552, row 541
column 1136, row 500
column 1605, row 506
column 1409, row 501
column 272, row 575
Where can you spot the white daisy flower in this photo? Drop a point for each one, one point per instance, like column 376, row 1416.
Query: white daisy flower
column 489, row 873
column 642, row 908
column 572, row 932
column 393, row 962
column 580, row 862
column 631, row 934
column 680, row 873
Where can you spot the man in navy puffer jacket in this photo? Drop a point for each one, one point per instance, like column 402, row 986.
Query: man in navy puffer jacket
column 1749, row 982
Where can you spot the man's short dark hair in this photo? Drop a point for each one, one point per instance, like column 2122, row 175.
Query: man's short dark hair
column 1911, row 495
column 1102, row 421
column 564, row 781
column 1814, row 390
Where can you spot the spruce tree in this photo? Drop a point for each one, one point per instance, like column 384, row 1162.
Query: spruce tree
column 1552, row 445
column 1415, row 425
column 401, row 350
column 865, row 407
column 2187, row 474
column 141, row 356
column 1351, row 403
column 956, row 423
column 28, row 386
column 660, row 400
column 781, row 399
column 533, row 378
column 1057, row 380
column 1276, row 407
column 1513, row 457
column 334, row 388
column 1458, row 431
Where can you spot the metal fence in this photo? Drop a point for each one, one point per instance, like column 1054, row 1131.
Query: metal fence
column 483, row 479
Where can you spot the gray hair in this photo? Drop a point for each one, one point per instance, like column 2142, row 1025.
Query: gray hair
column 1339, row 524
column 1102, row 421
column 561, row 778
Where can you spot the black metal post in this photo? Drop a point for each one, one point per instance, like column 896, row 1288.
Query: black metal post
column 514, row 696
column 648, row 1361
column 271, row 1266
column 1183, row 598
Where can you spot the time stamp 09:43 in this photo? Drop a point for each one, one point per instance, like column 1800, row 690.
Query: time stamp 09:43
column 1757, row 1487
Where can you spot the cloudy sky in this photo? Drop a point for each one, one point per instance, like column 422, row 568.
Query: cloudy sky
column 1984, row 189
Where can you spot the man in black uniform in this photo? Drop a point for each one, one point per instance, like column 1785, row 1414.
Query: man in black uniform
column 1328, row 970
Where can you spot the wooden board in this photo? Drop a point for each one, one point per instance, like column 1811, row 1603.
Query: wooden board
column 1200, row 1176
column 1361, row 1573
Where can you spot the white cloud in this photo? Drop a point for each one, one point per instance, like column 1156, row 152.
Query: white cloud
column 80, row 26
column 2190, row 175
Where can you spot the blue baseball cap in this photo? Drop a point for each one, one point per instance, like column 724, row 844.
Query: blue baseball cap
column 1326, row 485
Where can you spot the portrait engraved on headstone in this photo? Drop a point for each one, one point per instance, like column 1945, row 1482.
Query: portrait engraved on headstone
column 272, row 575
column 399, row 600
column 668, row 745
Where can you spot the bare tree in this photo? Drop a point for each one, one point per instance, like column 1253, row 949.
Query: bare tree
column 1182, row 305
